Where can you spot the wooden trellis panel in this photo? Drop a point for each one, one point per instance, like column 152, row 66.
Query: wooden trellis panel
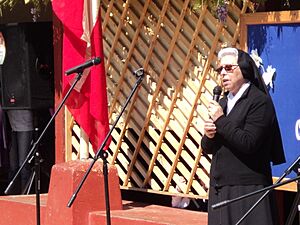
column 157, row 139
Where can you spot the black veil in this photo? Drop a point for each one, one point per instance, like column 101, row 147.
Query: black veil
column 251, row 73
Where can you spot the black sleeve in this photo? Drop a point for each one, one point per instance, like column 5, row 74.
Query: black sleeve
column 246, row 137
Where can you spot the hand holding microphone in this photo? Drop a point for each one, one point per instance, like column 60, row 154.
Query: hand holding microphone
column 214, row 113
column 214, row 108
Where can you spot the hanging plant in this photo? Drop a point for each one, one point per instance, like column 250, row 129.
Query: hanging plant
column 218, row 7
column 222, row 12
column 258, row 1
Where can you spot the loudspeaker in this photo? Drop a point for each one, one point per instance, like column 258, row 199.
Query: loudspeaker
column 27, row 80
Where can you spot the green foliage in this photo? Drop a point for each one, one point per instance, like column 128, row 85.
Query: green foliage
column 214, row 4
column 38, row 4
column 198, row 4
column 219, row 8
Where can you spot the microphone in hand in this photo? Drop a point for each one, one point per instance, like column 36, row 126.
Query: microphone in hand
column 217, row 93
column 215, row 110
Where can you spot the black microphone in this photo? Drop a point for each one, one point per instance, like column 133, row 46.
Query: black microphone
column 83, row 66
column 217, row 93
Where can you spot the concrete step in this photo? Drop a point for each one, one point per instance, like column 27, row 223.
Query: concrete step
column 21, row 209
column 144, row 214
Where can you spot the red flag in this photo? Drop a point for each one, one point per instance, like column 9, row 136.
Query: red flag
column 82, row 40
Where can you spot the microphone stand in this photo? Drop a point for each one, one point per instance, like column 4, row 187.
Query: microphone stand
column 271, row 187
column 103, row 154
column 286, row 172
column 34, row 153
column 227, row 202
column 296, row 203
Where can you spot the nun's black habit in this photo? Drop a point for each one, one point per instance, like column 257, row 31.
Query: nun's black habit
column 247, row 140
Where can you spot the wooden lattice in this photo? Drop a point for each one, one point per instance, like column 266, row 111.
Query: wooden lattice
column 157, row 139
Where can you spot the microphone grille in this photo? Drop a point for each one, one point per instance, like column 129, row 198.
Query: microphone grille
column 217, row 90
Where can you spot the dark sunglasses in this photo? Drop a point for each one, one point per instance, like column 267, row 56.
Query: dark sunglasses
column 228, row 68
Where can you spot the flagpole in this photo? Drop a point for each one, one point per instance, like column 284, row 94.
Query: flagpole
column 103, row 154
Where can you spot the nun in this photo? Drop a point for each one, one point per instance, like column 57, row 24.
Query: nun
column 243, row 136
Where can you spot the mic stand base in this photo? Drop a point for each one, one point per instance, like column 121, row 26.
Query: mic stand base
column 104, row 157
column 295, row 206
column 37, row 167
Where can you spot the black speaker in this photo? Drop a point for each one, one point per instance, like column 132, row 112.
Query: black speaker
column 27, row 72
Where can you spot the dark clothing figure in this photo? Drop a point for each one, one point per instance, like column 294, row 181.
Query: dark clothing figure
column 2, row 139
column 243, row 136
column 21, row 122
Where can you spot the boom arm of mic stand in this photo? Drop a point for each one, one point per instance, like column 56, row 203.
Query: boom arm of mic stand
column 35, row 144
column 99, row 152
column 227, row 202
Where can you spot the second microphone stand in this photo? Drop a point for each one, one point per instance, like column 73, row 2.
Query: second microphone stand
column 293, row 166
column 103, row 154
column 266, row 190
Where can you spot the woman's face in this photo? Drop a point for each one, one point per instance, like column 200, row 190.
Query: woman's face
column 231, row 75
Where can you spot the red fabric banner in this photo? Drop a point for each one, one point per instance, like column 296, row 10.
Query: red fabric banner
column 82, row 40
